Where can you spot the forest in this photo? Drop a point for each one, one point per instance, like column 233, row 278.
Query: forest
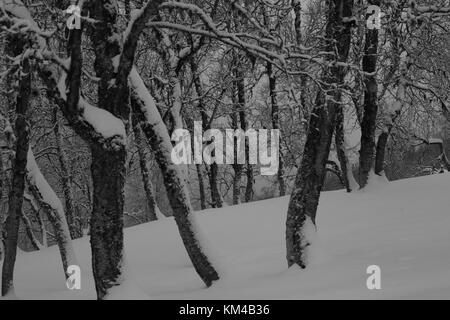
column 97, row 96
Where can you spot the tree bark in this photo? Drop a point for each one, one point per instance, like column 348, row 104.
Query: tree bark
column 368, row 125
column 72, row 220
column 276, row 125
column 22, row 132
column 341, row 148
column 148, row 187
column 201, row 187
column 309, row 181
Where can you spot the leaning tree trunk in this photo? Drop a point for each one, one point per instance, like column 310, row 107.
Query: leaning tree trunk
column 144, row 106
column 52, row 206
column 22, row 131
column 310, row 177
column 369, row 125
column 35, row 244
column 148, row 187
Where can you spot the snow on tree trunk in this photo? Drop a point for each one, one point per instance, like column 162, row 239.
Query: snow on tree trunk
column 310, row 177
column 368, row 124
column 22, row 132
column 160, row 142
column 49, row 201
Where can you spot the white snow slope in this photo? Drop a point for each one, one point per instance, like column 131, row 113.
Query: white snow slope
column 403, row 227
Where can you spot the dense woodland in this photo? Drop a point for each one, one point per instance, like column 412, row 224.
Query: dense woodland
column 87, row 114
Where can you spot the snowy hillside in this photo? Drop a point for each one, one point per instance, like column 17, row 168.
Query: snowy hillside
column 403, row 227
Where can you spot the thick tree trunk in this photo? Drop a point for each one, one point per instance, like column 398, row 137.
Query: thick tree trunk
column 108, row 167
column 368, row 125
column 159, row 140
column 108, row 177
column 148, row 187
column 72, row 220
column 308, row 185
column 22, row 132
column 276, row 124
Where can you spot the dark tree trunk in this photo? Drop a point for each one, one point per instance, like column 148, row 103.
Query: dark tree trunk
column 106, row 229
column 73, row 221
column 368, row 125
column 381, row 152
column 238, row 168
column 22, row 132
column 341, row 148
column 108, row 167
column 276, row 124
column 148, row 187
column 201, row 187
column 242, row 103
column 308, row 185
column 216, row 197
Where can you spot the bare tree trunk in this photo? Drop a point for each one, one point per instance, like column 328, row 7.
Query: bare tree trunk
column 308, row 185
column 148, row 187
column 242, row 102
column 238, row 168
column 341, row 149
column 276, row 124
column 156, row 132
column 73, row 221
column 368, row 125
column 216, row 197
column 201, row 187
column 22, row 132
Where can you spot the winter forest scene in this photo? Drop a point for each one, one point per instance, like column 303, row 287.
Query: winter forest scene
column 224, row 149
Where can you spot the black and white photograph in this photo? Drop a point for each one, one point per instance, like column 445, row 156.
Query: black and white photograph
column 223, row 155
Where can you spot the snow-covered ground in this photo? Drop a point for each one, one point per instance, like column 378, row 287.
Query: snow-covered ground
column 403, row 227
